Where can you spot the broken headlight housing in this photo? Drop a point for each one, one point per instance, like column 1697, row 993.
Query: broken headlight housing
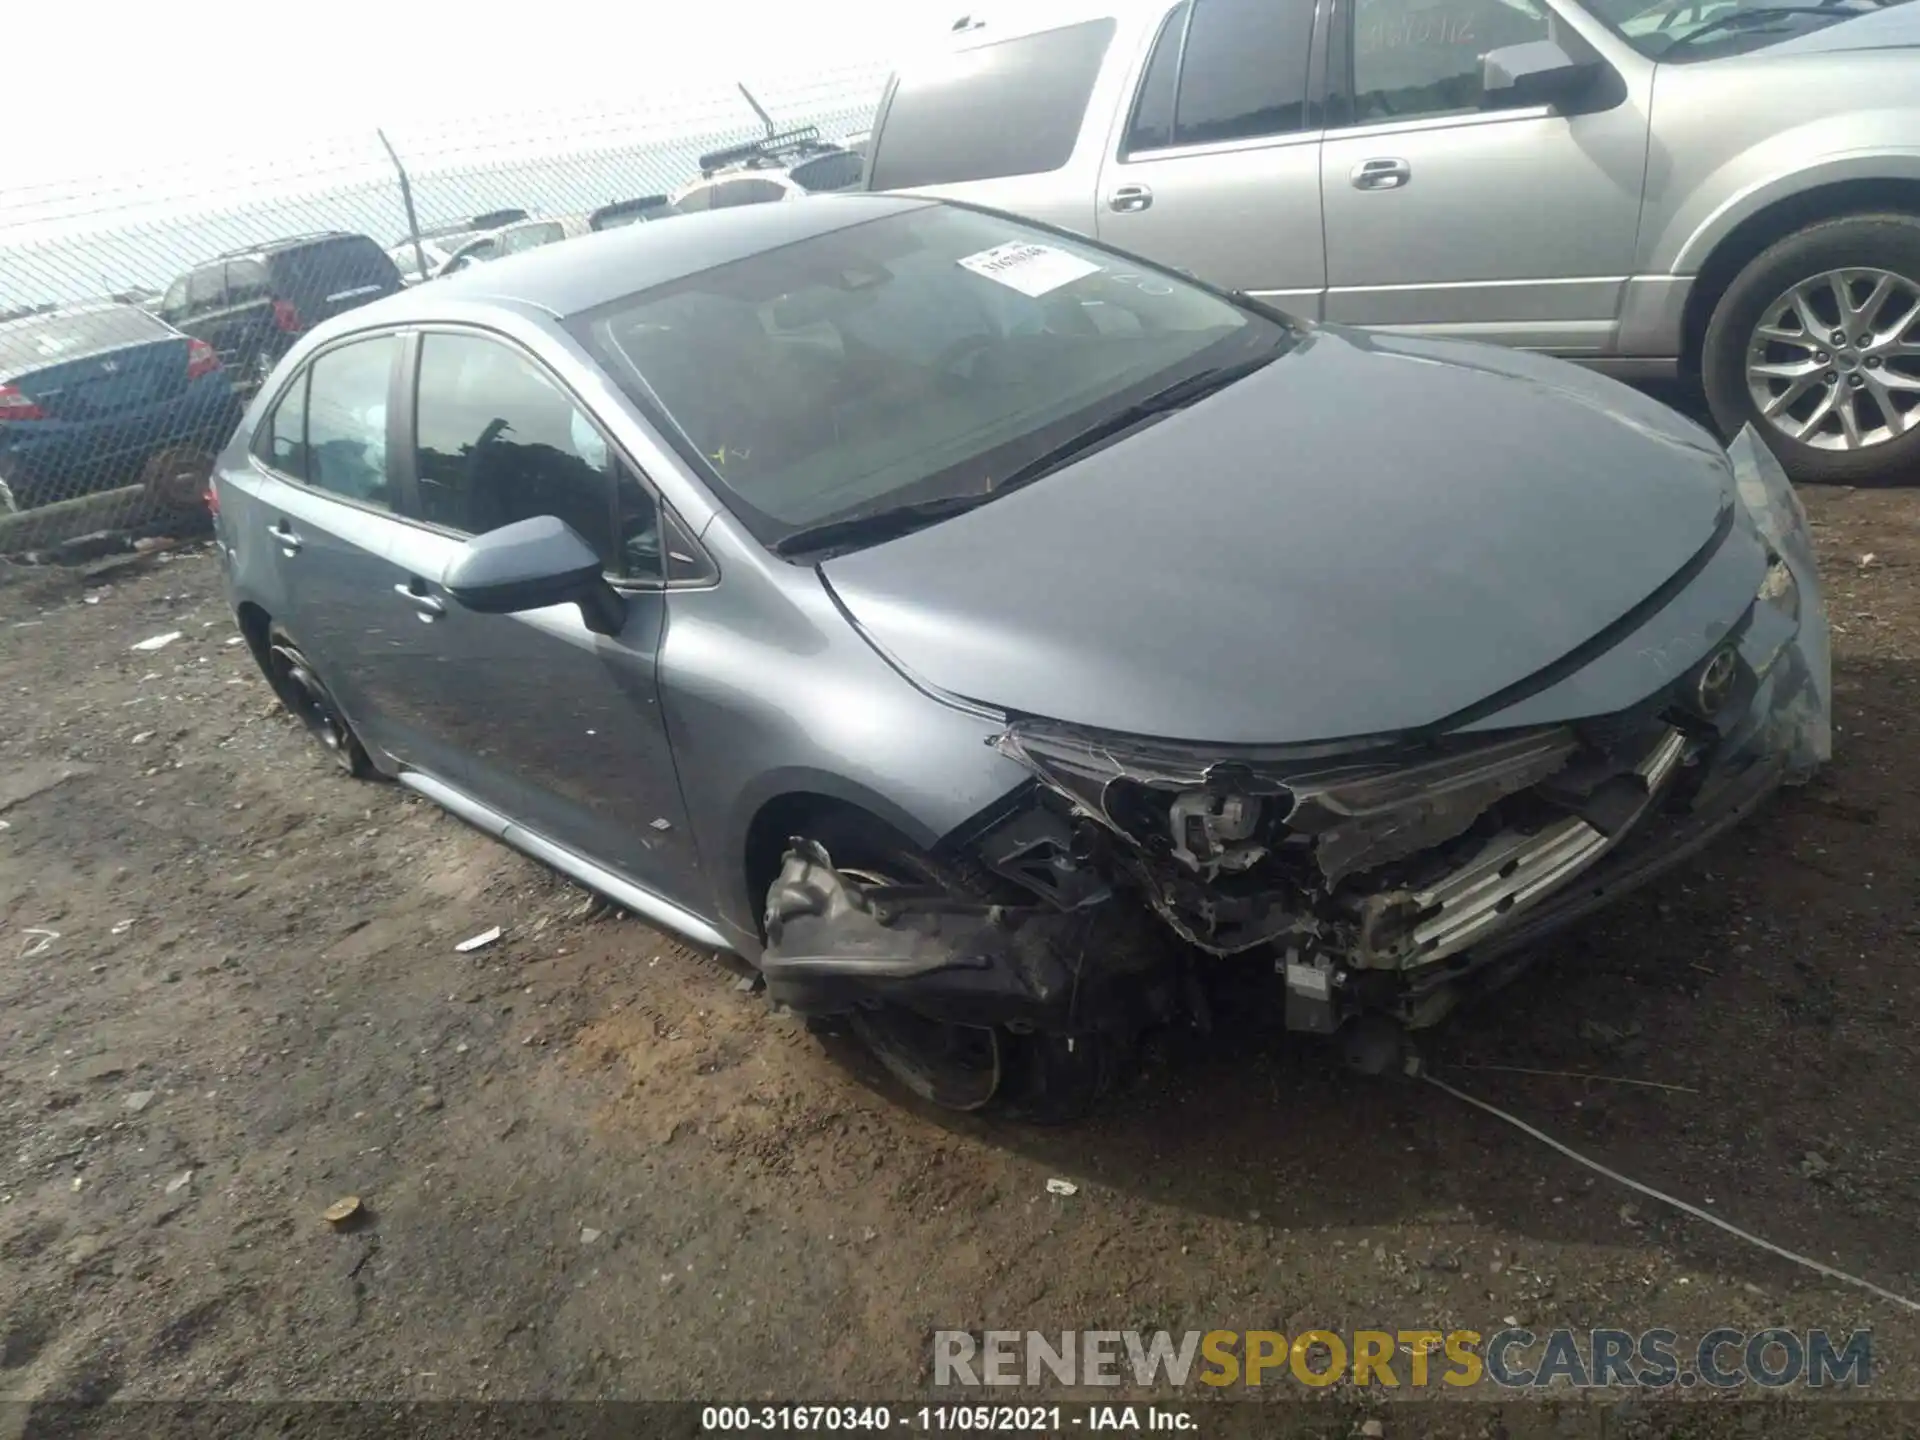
column 1321, row 813
column 1794, row 652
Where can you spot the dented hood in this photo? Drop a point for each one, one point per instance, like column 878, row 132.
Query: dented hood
column 1369, row 535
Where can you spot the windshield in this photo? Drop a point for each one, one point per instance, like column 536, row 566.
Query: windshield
column 928, row 353
column 1706, row 29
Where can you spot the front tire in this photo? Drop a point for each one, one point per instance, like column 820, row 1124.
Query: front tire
column 1039, row 1078
column 1816, row 343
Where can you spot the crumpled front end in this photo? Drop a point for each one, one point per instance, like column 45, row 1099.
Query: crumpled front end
column 1376, row 876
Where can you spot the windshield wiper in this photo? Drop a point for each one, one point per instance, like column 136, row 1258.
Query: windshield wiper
column 1176, row 396
column 897, row 520
column 1760, row 15
column 878, row 524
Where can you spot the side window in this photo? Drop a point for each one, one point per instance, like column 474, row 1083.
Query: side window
column 1243, row 71
column 1413, row 58
column 282, row 442
column 530, row 237
column 499, row 442
column 644, row 542
column 173, row 308
column 206, row 289
column 1008, row 109
column 347, row 421
column 695, row 200
column 246, row 281
column 1151, row 125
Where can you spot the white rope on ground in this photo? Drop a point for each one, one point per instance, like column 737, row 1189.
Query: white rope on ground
column 1680, row 1205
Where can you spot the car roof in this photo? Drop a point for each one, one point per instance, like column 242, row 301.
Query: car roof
column 594, row 269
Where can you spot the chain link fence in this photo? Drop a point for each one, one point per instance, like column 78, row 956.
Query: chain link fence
column 138, row 313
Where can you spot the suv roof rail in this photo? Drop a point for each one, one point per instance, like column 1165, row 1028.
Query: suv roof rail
column 280, row 242
column 803, row 140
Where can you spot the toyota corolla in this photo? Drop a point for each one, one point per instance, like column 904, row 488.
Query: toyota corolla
column 995, row 638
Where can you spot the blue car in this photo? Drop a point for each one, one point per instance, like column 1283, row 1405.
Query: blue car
column 97, row 396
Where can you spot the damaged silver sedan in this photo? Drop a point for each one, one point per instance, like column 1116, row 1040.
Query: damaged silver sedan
column 997, row 639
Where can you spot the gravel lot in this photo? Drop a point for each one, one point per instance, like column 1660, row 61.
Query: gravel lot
column 597, row 1165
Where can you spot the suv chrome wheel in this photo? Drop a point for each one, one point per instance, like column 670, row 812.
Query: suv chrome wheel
column 1834, row 362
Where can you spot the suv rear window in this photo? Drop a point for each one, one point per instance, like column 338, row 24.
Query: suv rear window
column 333, row 268
column 1008, row 109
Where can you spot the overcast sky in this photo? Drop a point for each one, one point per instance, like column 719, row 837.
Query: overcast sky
column 115, row 88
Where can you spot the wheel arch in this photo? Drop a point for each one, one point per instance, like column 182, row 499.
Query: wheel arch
column 792, row 811
column 1773, row 222
column 255, row 625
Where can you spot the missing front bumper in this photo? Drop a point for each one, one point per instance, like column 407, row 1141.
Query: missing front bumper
column 835, row 946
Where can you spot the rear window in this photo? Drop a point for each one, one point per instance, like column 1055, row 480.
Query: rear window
column 50, row 339
column 838, row 171
column 334, row 268
column 1008, row 109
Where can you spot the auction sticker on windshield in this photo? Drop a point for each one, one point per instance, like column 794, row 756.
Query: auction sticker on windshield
column 1031, row 269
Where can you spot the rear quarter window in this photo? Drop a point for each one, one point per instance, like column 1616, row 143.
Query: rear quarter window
column 1013, row 108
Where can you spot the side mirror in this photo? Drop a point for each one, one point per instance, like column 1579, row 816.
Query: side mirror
column 1540, row 72
column 530, row 565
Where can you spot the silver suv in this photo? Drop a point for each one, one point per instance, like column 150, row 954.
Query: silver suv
column 1718, row 188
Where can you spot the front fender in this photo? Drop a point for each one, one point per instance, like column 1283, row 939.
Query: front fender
column 770, row 692
column 1863, row 146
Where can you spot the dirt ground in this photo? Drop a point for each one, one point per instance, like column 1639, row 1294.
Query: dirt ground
column 596, row 1165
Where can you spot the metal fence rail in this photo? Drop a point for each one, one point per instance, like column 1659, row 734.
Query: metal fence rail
column 119, row 375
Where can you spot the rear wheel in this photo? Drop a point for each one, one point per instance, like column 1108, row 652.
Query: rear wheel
column 302, row 691
column 1046, row 1079
column 1817, row 344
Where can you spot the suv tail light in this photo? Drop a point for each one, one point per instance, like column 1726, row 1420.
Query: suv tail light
column 17, row 406
column 202, row 359
column 286, row 316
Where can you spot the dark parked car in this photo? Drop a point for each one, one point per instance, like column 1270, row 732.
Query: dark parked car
column 252, row 304
column 913, row 600
column 103, row 395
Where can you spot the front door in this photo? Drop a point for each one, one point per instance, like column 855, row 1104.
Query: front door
column 548, row 723
column 1514, row 226
column 1217, row 167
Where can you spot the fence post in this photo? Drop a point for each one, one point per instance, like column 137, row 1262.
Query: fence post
column 406, row 198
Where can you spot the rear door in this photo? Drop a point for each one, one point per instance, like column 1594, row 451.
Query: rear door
column 1217, row 166
column 325, row 511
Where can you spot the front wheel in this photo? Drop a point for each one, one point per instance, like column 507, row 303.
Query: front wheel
column 1039, row 1078
column 1817, row 344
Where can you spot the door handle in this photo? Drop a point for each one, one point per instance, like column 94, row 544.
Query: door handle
column 289, row 538
column 1129, row 199
column 429, row 607
column 1384, row 174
